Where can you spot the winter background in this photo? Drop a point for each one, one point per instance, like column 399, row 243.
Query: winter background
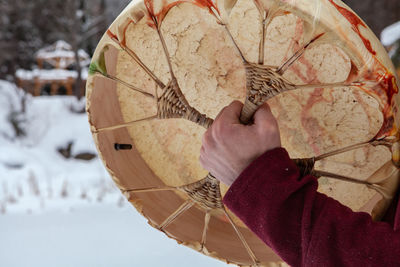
column 58, row 206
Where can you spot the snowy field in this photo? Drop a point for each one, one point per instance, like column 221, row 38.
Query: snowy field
column 60, row 210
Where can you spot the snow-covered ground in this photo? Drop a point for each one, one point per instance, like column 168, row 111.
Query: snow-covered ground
column 390, row 38
column 391, row 34
column 97, row 235
column 57, row 211
column 35, row 177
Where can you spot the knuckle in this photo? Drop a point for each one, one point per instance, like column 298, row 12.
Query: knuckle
column 235, row 107
column 236, row 103
column 218, row 118
column 275, row 126
column 202, row 151
column 204, row 139
column 207, row 139
column 269, row 124
column 216, row 129
column 223, row 110
column 220, row 132
column 270, row 129
column 266, row 107
column 201, row 160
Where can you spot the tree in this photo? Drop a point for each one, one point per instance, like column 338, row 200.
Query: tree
column 18, row 37
column 75, row 21
column 377, row 14
column 26, row 26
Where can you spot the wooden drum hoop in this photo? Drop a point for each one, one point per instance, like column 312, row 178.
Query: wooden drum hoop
column 165, row 68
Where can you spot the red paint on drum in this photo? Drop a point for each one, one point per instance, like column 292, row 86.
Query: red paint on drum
column 356, row 22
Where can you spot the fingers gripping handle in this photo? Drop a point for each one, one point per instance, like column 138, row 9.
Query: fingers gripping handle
column 246, row 116
column 305, row 165
column 248, row 111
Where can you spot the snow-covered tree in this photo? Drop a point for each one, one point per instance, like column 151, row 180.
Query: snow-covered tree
column 26, row 26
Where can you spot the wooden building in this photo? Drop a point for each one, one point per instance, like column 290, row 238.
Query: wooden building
column 55, row 73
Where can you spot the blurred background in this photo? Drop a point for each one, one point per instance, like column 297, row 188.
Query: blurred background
column 58, row 206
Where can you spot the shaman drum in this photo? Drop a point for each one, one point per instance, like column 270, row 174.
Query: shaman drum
column 164, row 69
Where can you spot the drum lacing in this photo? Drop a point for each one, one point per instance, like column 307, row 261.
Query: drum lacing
column 205, row 192
column 171, row 105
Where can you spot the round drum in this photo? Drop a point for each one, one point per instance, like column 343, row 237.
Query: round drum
column 164, row 69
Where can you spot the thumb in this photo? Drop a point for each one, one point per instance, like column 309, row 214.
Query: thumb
column 263, row 117
column 231, row 113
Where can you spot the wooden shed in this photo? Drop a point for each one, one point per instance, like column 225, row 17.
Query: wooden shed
column 55, row 72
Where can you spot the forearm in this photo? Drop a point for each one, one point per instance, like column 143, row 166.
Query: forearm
column 303, row 226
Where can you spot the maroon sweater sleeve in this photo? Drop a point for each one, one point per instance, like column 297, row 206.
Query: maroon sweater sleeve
column 304, row 227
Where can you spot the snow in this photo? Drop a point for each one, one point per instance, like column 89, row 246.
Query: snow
column 53, row 74
column 57, row 211
column 391, row 34
column 60, row 54
column 39, row 174
column 59, row 49
column 101, row 235
column 8, row 103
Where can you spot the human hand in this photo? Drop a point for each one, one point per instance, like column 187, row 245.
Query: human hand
column 229, row 146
